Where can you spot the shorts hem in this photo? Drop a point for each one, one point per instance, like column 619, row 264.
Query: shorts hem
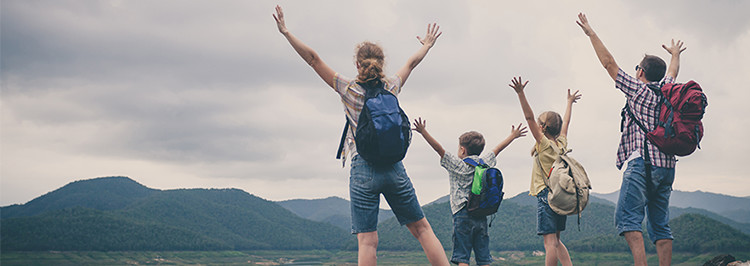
column 411, row 221
column 354, row 232
column 454, row 261
column 622, row 231
column 663, row 238
column 547, row 233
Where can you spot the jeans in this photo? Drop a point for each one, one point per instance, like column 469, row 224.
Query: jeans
column 470, row 233
column 368, row 181
column 633, row 205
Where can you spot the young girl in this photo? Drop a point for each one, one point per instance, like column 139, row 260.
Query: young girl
column 549, row 129
column 368, row 181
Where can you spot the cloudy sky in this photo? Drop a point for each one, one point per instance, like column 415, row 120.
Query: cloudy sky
column 208, row 94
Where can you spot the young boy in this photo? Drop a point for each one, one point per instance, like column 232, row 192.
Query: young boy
column 468, row 232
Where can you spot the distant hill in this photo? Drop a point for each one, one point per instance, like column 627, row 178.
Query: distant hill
column 699, row 232
column 106, row 193
column 735, row 208
column 333, row 210
column 675, row 212
column 514, row 228
column 182, row 219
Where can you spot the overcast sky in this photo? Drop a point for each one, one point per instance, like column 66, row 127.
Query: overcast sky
column 208, row 94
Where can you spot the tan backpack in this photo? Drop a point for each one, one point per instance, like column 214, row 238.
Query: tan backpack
column 568, row 184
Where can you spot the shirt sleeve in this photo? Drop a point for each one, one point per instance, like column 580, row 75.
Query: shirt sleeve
column 627, row 83
column 542, row 145
column 394, row 84
column 490, row 159
column 340, row 84
column 563, row 140
column 454, row 164
column 667, row 79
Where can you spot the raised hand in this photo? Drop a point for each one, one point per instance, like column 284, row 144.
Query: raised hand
column 433, row 32
column 279, row 17
column 573, row 98
column 518, row 132
column 518, row 84
column 675, row 48
column 420, row 125
column 584, row 23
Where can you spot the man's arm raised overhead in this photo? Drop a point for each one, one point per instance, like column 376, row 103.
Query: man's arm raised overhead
column 605, row 57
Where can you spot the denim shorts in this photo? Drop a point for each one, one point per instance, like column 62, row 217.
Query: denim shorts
column 368, row 181
column 633, row 205
column 470, row 233
column 547, row 220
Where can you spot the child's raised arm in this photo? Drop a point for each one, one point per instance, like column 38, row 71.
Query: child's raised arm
column 306, row 52
column 421, row 127
column 515, row 132
column 518, row 85
column 572, row 98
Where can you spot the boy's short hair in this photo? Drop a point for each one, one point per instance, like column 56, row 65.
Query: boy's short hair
column 653, row 67
column 472, row 141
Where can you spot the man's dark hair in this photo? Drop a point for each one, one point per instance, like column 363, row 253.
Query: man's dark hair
column 473, row 142
column 653, row 67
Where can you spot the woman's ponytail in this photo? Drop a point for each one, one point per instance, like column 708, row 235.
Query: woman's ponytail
column 370, row 59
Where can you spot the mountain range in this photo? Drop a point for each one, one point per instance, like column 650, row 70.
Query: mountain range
column 118, row 213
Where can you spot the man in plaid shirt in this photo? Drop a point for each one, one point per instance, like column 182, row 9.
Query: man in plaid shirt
column 643, row 102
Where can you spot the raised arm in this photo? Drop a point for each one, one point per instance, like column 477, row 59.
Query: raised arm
column 674, row 64
column 306, row 52
column 572, row 98
column 421, row 127
column 605, row 57
column 518, row 86
column 433, row 32
column 515, row 132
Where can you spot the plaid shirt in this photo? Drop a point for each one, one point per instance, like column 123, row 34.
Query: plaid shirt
column 644, row 104
column 461, row 176
column 353, row 98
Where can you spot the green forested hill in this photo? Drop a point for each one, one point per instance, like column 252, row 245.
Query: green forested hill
column 333, row 210
column 514, row 228
column 105, row 193
column 700, row 233
column 117, row 213
column 184, row 219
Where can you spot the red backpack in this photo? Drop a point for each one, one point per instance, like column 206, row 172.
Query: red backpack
column 679, row 129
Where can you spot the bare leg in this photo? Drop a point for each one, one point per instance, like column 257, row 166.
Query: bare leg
column 432, row 248
column 635, row 242
column 368, row 248
column 562, row 252
column 664, row 250
column 555, row 250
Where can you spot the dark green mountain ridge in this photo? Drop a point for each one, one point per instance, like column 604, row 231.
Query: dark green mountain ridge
column 181, row 219
column 117, row 213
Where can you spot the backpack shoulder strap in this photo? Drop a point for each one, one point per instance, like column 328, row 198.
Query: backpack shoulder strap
column 343, row 140
column 546, row 175
column 471, row 162
column 632, row 117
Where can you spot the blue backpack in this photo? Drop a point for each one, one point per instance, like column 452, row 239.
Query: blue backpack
column 486, row 189
column 383, row 132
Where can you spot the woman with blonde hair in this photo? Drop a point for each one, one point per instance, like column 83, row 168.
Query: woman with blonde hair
column 367, row 181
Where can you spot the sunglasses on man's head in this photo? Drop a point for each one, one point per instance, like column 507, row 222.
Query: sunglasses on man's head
column 638, row 67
